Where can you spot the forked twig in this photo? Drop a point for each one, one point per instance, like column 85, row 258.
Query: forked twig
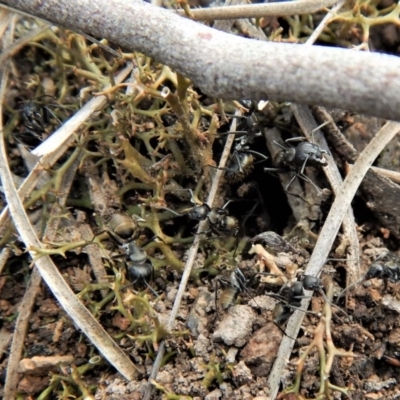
column 327, row 236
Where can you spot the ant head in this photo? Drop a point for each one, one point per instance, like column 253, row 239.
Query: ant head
column 295, row 292
column 311, row 282
column 376, row 270
column 199, row 213
column 310, row 153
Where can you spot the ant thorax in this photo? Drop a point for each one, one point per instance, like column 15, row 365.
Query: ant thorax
column 134, row 252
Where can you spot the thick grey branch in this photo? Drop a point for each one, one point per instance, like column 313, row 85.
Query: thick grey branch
column 226, row 66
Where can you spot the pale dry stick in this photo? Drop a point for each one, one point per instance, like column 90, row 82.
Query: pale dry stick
column 212, row 60
column 28, row 300
column 308, row 125
column 321, row 26
column 327, row 236
column 49, row 272
column 5, row 17
column 4, row 255
column 258, row 10
column 5, row 339
column 332, row 171
column 387, row 173
column 192, row 256
column 51, row 150
column 21, row 327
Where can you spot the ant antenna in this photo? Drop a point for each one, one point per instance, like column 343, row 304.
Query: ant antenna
column 317, row 128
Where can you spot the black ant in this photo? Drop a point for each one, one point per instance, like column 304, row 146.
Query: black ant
column 237, row 284
column 36, row 117
column 297, row 158
column 125, row 231
column 219, row 220
column 242, row 158
column 291, row 297
column 140, row 268
column 385, row 267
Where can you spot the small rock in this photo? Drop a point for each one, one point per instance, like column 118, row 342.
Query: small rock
column 263, row 303
column 197, row 321
column 231, row 355
column 374, row 384
column 32, row 384
column 201, row 346
column 260, row 352
column 40, row 365
column 171, row 295
column 236, row 326
column 391, row 303
column 214, row 395
column 242, row 374
column 394, row 337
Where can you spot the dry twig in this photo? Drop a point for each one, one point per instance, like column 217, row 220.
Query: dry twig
column 258, row 10
column 192, row 256
column 331, row 77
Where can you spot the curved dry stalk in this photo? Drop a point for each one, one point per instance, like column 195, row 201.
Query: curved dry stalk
column 308, row 125
column 49, row 272
column 192, row 256
column 28, row 300
column 362, row 82
column 258, row 10
column 327, row 236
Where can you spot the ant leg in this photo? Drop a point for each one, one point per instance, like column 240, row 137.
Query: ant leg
column 233, row 133
column 290, row 182
column 318, row 127
column 272, row 169
column 304, row 165
column 256, row 153
column 308, row 180
column 331, row 304
column 283, row 331
column 172, row 211
column 149, row 287
column 223, row 207
column 283, row 147
column 296, row 139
